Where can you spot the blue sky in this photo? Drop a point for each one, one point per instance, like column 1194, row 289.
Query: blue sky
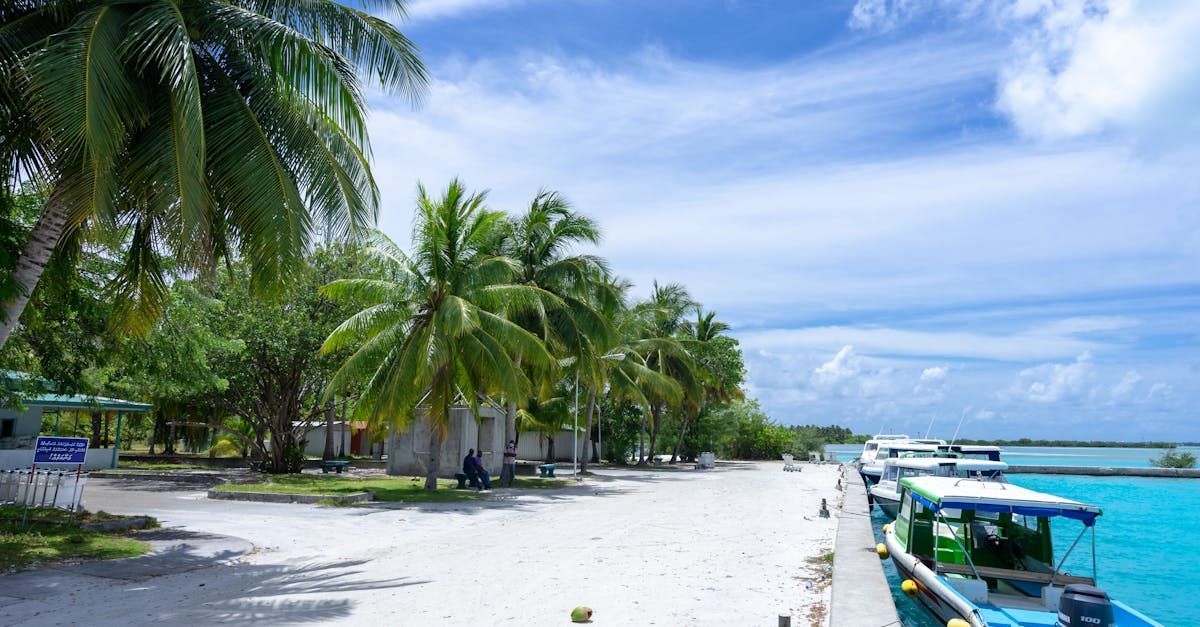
column 908, row 209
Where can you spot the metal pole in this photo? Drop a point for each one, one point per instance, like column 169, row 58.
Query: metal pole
column 575, row 431
column 599, row 434
column 117, row 440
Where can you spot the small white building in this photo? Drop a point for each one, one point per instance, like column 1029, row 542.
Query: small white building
column 19, row 428
column 408, row 451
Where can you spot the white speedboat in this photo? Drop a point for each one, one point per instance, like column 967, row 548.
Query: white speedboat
column 981, row 553
column 896, row 448
column 871, row 447
column 886, row 493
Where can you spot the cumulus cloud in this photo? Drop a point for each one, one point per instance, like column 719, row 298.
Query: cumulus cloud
column 1081, row 67
column 1125, row 388
column 843, row 367
column 1086, row 67
column 931, row 386
column 1053, row 383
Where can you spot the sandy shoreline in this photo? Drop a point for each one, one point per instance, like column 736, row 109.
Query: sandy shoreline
column 738, row 545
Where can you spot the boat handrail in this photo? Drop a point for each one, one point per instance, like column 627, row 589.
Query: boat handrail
column 978, row 480
column 1068, row 554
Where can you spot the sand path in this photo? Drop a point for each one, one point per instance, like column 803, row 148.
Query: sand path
column 733, row 546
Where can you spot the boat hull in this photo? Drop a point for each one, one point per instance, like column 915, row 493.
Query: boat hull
column 935, row 595
column 888, row 506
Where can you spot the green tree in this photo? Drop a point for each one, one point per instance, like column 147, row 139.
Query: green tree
column 719, row 362
column 276, row 382
column 752, row 434
column 540, row 241
column 436, row 331
column 1174, row 459
column 207, row 128
column 663, row 320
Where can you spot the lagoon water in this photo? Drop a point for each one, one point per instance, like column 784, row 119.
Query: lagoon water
column 1147, row 545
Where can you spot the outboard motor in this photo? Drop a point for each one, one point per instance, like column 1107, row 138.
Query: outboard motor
column 1082, row 605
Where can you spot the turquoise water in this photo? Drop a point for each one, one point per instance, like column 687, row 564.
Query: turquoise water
column 1050, row 456
column 1146, row 543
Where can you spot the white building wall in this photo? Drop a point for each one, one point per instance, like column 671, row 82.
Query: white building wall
column 532, row 446
column 408, row 451
column 316, row 440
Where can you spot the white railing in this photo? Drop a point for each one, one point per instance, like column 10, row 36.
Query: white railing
column 42, row 488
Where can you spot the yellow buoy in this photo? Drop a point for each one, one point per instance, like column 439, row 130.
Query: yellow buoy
column 887, row 527
column 881, row 551
column 957, row 622
column 909, row 587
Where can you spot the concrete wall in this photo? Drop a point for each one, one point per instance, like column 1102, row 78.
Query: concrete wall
column 97, row 458
column 27, row 425
column 408, row 451
column 316, row 439
column 532, row 446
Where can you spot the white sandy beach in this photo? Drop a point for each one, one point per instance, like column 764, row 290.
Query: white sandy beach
column 733, row 546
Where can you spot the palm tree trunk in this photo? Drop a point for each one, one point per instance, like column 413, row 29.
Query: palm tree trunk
column 656, row 415
column 330, row 451
column 510, row 411
column 587, row 432
column 550, row 448
column 679, row 443
column 28, row 270
column 642, row 441
column 435, row 456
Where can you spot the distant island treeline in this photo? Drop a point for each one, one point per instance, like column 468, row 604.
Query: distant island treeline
column 841, row 435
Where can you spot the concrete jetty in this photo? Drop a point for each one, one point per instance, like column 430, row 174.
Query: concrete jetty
column 1107, row 471
column 860, row 591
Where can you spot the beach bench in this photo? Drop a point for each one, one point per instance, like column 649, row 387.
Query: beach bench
column 547, row 470
column 333, row 465
column 789, row 463
column 462, row 480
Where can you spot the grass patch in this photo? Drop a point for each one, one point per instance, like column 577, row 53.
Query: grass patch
column 134, row 465
column 50, row 537
column 392, row 489
column 56, row 516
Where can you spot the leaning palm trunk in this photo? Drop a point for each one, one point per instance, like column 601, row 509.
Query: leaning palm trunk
column 679, row 443
column 587, row 432
column 510, row 412
column 656, row 420
column 435, row 457
column 42, row 240
column 642, row 441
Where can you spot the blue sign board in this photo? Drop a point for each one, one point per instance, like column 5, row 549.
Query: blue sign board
column 49, row 450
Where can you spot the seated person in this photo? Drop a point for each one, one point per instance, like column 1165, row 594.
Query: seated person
column 484, row 476
column 469, row 468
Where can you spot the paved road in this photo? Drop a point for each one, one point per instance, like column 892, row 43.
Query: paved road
column 723, row 547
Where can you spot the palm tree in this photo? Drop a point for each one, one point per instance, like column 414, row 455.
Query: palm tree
column 701, row 337
column 203, row 129
column 436, row 333
column 619, row 368
column 663, row 318
column 540, row 241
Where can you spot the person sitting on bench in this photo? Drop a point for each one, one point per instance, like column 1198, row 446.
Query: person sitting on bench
column 484, row 476
column 468, row 468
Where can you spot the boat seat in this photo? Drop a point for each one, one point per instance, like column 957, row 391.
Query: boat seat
column 1015, row 575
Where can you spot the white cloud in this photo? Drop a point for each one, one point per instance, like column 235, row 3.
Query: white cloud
column 1021, row 346
column 1086, row 67
column 1054, row 383
column 931, row 386
column 1124, row 389
column 1081, row 67
column 844, row 366
column 1160, row 392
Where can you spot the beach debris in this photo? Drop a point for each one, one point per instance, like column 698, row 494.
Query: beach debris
column 581, row 614
column 824, row 509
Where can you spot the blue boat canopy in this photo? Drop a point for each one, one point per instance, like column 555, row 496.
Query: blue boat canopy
column 941, row 493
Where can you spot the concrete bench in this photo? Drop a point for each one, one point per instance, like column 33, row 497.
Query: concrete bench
column 547, row 470
column 336, row 466
column 462, row 480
